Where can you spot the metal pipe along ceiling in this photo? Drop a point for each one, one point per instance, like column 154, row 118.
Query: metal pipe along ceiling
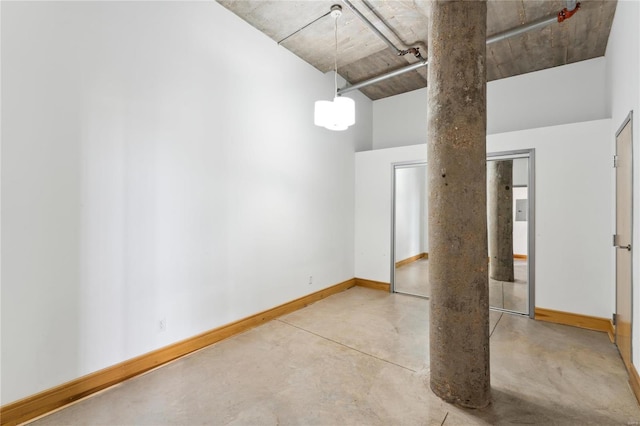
column 413, row 50
column 571, row 4
column 382, row 77
column 539, row 23
column 371, row 26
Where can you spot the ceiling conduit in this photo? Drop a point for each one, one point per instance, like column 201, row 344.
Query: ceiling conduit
column 563, row 15
column 414, row 50
column 371, row 26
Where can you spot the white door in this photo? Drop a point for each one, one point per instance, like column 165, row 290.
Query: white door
column 624, row 188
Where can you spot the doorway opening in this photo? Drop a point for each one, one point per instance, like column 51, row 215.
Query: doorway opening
column 409, row 231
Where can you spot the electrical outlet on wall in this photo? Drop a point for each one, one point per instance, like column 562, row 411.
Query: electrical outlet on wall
column 310, row 279
column 162, row 325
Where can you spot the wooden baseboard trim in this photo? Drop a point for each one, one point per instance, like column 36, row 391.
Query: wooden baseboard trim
column 611, row 331
column 411, row 259
column 376, row 285
column 575, row 320
column 59, row 396
column 634, row 381
column 520, row 256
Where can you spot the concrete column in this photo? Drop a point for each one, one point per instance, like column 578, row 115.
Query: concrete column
column 456, row 149
column 500, row 219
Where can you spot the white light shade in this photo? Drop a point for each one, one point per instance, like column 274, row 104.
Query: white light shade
column 322, row 112
column 345, row 108
column 336, row 115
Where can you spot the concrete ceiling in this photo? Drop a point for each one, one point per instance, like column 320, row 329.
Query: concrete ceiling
column 363, row 55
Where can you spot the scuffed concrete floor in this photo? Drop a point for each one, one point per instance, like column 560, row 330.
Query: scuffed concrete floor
column 361, row 358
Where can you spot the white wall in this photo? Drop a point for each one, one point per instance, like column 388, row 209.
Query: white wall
column 0, row 205
column 561, row 95
column 520, row 228
column 623, row 87
column 159, row 161
column 566, row 94
column 573, row 212
column 400, row 120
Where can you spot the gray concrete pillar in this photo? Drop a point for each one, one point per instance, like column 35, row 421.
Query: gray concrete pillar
column 456, row 149
column 500, row 219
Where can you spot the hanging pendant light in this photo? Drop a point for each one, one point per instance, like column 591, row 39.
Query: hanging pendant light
column 340, row 113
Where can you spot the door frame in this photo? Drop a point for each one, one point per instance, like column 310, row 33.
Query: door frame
column 627, row 121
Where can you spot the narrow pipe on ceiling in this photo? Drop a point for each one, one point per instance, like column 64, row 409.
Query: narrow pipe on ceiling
column 370, row 25
column 382, row 77
column 302, row 28
column 570, row 4
column 415, row 51
column 539, row 23
column 561, row 16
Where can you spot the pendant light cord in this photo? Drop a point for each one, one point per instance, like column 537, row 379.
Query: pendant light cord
column 335, row 59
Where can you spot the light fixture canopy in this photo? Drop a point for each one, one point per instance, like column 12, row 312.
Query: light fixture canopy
column 340, row 113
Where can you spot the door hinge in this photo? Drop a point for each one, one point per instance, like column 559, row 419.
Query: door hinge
column 615, row 161
column 613, row 319
column 615, row 240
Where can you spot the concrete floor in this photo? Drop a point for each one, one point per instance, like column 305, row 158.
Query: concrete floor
column 511, row 296
column 361, row 358
column 412, row 278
